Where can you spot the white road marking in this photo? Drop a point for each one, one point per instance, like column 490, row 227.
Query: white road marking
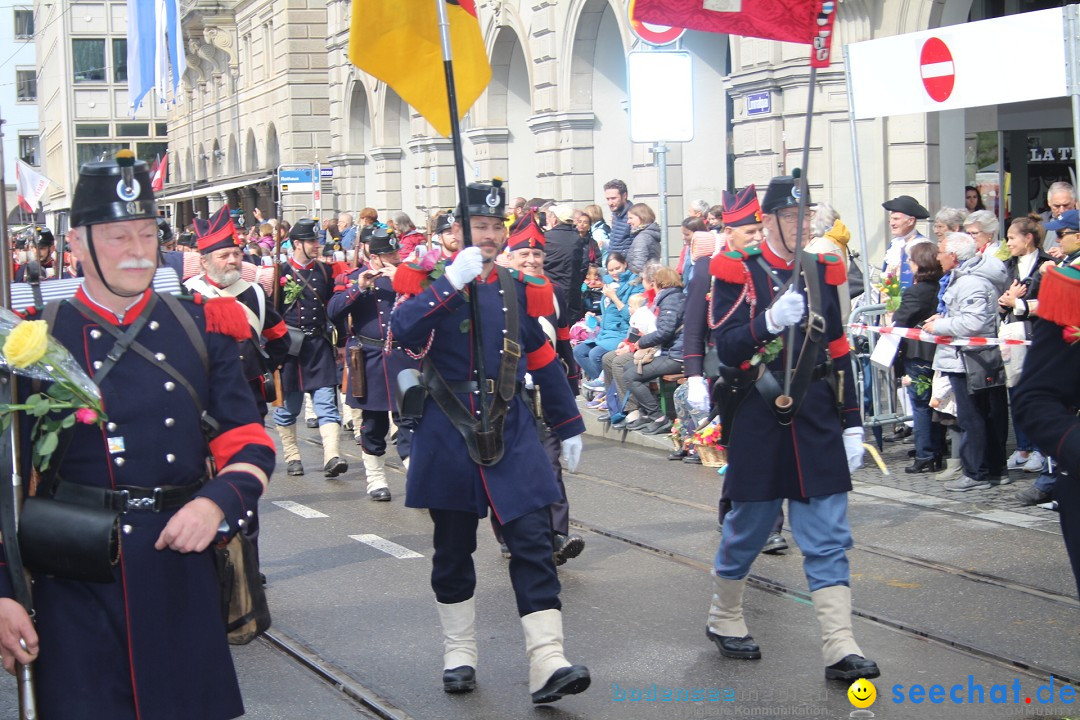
column 302, row 510
column 390, row 548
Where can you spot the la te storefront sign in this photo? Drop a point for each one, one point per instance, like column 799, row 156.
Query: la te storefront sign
column 960, row 66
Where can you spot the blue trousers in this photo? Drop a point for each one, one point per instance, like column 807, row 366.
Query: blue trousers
column 820, row 527
column 532, row 567
column 589, row 355
column 324, row 399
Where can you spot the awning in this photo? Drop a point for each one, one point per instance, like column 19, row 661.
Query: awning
column 182, row 195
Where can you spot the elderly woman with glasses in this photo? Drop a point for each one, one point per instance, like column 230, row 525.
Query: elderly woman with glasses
column 983, row 226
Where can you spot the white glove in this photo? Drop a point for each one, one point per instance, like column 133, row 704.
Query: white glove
column 466, row 267
column 571, row 453
column 528, row 383
column 697, row 393
column 853, row 447
column 787, row 310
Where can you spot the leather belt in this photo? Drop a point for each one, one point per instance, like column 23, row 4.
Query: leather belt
column 126, row 497
column 818, row 373
column 469, row 386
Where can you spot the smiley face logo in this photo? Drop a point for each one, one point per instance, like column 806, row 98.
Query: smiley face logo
column 862, row 693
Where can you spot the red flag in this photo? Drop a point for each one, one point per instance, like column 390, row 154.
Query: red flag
column 157, row 184
column 798, row 21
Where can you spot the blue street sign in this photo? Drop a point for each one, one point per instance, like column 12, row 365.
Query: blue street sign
column 759, row 103
column 303, row 175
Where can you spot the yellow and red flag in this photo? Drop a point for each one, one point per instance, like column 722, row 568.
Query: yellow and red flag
column 398, row 42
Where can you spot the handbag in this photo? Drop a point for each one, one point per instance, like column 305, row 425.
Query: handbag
column 69, row 540
column 856, row 282
column 243, row 599
column 1013, row 355
column 983, row 367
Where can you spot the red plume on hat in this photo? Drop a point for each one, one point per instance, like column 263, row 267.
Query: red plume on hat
column 526, row 233
column 215, row 233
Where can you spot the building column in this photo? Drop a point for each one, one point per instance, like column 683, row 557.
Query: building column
column 387, row 191
column 491, row 154
column 564, row 148
column 435, row 171
column 349, row 183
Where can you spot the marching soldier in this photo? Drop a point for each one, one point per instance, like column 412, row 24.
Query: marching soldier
column 464, row 468
column 267, row 346
column 1048, row 395
column 41, row 264
column 372, row 360
column 786, row 450
column 150, row 641
column 306, row 287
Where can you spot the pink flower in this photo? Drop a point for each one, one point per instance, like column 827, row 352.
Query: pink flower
column 86, row 416
column 283, row 281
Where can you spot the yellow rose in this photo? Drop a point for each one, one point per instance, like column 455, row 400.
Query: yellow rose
column 27, row 343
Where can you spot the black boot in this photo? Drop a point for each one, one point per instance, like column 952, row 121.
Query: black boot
column 852, row 667
column 740, row 648
column 677, row 455
column 459, row 680
column 921, row 466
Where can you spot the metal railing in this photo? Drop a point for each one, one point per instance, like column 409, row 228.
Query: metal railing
column 876, row 387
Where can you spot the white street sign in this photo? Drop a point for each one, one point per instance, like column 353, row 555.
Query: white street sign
column 960, row 66
column 661, row 96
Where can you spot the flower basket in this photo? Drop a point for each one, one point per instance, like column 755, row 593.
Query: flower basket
column 711, row 455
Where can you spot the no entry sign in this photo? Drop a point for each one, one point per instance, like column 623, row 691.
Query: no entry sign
column 960, row 66
column 937, row 69
column 652, row 33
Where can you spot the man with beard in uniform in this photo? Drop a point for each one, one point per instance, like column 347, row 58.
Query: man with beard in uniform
column 221, row 259
column 459, row 469
column 366, row 297
column 306, row 287
column 773, row 455
column 151, row 642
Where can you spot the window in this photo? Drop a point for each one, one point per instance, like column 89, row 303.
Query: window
column 26, row 85
column 133, row 129
column 24, row 24
column 88, row 58
column 89, row 152
column 161, row 129
column 30, row 149
column 91, row 130
column 151, row 151
column 119, row 60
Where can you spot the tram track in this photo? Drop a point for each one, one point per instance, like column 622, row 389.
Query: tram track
column 777, row 587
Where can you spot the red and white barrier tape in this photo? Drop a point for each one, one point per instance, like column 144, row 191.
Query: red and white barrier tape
column 916, row 334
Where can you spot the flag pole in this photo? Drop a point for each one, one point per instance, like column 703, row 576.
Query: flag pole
column 800, row 256
column 463, row 201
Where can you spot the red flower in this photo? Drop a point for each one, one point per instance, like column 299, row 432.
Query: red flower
column 744, row 365
column 86, row 416
column 1071, row 334
column 283, row 281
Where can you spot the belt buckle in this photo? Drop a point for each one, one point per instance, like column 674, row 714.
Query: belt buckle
column 153, row 504
column 489, row 386
column 815, row 326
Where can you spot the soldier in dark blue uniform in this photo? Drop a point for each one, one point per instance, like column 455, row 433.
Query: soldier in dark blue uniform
column 267, row 345
column 773, row 455
column 151, row 643
column 458, row 470
column 366, row 297
column 306, row 287
column 1048, row 394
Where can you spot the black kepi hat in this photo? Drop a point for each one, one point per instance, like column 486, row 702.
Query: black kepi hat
column 383, row 241
column 112, row 191
column 305, row 229
column 45, row 237
column 164, row 231
column 443, row 223
column 907, row 205
column 485, row 200
column 783, row 192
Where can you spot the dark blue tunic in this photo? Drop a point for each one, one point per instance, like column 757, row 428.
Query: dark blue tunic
column 153, row 639
column 441, row 474
column 317, row 365
column 369, row 312
column 767, row 460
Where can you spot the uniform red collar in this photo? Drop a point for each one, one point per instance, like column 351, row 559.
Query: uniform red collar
column 298, row 266
column 774, row 260
column 134, row 310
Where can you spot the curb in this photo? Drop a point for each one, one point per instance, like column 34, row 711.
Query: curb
column 595, row 428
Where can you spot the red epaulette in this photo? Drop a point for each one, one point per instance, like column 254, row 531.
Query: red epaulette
column 730, row 266
column 409, row 279
column 1059, row 296
column 835, row 272
column 224, row 315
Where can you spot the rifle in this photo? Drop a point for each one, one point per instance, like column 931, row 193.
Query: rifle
column 279, row 398
column 11, row 495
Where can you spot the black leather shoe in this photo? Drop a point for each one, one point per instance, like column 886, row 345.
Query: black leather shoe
column 775, row 544
column 852, row 667
column 312, row 422
column 459, row 680
column 295, row 467
column 921, row 466
column 692, row 459
column 659, row 426
column 740, row 648
column 677, row 455
column 335, row 466
column 380, row 494
column 640, row 424
column 564, row 681
column 567, row 547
